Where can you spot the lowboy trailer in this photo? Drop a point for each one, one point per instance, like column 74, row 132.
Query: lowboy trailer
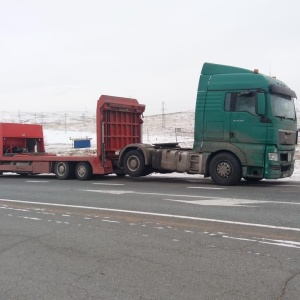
column 118, row 123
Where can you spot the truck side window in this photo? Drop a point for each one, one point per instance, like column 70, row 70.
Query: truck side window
column 240, row 102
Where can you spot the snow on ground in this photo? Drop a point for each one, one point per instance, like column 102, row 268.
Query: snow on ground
column 61, row 128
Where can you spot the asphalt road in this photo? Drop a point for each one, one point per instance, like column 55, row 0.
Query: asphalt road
column 157, row 237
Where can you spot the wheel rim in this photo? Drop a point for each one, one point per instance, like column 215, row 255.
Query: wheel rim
column 61, row 169
column 133, row 163
column 81, row 171
column 224, row 169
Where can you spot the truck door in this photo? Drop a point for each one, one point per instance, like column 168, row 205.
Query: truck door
column 247, row 131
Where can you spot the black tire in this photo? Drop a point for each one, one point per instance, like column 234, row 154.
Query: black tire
column 63, row 170
column 83, row 171
column 225, row 169
column 121, row 174
column 134, row 163
column 147, row 170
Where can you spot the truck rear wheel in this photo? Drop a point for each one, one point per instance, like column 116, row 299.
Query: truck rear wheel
column 225, row 169
column 83, row 171
column 134, row 163
column 63, row 170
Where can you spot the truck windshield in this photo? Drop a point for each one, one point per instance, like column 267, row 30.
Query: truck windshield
column 283, row 106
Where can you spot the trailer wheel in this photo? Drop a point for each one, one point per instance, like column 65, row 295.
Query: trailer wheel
column 62, row 170
column 134, row 163
column 225, row 169
column 23, row 174
column 83, row 171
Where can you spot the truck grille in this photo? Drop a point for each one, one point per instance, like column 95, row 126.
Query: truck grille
column 287, row 137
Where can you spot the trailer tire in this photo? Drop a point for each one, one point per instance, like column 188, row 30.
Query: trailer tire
column 83, row 171
column 134, row 163
column 63, row 170
column 225, row 169
column 23, row 174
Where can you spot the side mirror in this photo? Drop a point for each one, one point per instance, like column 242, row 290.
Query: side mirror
column 261, row 104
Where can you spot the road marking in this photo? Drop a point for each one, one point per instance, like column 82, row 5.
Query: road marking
column 290, row 244
column 156, row 214
column 205, row 188
column 220, row 202
column 98, row 183
column 143, row 193
column 110, row 221
column 35, row 219
column 36, row 181
column 230, row 202
column 201, row 200
column 115, row 192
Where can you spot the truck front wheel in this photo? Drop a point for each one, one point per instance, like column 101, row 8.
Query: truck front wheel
column 225, row 169
column 63, row 170
column 134, row 163
column 83, row 171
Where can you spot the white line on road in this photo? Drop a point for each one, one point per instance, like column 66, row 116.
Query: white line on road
column 201, row 200
column 37, row 181
column 230, row 202
column 156, row 214
column 205, row 188
column 143, row 193
column 35, row 219
column 290, row 244
column 100, row 183
column 220, row 202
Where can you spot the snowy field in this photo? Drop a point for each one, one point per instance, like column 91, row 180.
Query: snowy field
column 61, row 128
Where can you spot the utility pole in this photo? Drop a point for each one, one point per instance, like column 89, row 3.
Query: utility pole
column 83, row 121
column 163, row 125
column 65, row 122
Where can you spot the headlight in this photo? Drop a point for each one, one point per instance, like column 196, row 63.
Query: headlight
column 273, row 156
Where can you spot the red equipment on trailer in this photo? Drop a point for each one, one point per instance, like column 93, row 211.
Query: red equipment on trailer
column 118, row 123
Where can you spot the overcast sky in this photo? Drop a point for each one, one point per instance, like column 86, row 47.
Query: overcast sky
column 63, row 54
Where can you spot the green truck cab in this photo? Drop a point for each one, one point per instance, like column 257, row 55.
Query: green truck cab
column 245, row 125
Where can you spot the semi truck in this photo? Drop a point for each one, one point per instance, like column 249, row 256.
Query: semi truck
column 245, row 127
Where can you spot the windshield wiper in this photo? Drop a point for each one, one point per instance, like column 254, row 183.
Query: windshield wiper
column 285, row 118
column 280, row 117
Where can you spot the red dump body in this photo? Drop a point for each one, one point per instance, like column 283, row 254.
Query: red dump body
column 118, row 123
